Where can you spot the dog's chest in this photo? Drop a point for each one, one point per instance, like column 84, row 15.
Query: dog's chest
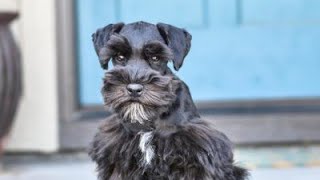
column 146, row 147
column 153, row 155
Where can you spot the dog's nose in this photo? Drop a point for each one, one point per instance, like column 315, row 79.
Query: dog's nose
column 135, row 89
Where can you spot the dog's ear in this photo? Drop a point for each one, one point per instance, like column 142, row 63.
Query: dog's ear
column 178, row 40
column 100, row 39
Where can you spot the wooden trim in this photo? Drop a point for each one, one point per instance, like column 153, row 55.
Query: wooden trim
column 67, row 70
column 245, row 122
column 68, row 93
column 262, row 103
column 260, row 106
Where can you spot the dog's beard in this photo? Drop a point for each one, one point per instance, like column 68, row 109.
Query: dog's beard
column 158, row 94
column 137, row 112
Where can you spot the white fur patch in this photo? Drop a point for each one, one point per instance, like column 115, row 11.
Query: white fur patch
column 136, row 112
column 146, row 147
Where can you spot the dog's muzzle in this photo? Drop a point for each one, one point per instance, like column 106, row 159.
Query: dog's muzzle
column 138, row 95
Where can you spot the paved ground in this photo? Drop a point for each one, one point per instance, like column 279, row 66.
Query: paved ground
column 85, row 171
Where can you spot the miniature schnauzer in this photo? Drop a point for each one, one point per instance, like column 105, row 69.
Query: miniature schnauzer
column 155, row 131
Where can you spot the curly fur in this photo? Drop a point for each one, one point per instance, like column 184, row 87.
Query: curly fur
column 160, row 134
column 191, row 152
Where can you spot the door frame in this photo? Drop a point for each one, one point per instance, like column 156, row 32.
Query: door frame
column 245, row 122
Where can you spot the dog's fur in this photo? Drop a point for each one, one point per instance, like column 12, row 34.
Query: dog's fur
column 158, row 135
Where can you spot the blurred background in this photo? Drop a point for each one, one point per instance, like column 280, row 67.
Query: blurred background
column 253, row 69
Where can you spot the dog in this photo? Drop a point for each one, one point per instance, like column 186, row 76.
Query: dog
column 155, row 131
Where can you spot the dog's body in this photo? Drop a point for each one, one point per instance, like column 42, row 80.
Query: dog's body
column 156, row 131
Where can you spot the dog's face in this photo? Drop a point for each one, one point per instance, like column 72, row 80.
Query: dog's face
column 138, row 95
column 140, row 87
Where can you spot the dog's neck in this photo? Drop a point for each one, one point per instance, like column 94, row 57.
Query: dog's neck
column 183, row 110
column 184, row 107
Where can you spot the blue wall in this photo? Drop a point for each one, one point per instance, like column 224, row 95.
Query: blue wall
column 245, row 49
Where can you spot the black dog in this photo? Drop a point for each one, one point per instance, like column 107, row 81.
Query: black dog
column 155, row 131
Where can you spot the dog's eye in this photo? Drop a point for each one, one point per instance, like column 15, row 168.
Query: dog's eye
column 154, row 59
column 120, row 58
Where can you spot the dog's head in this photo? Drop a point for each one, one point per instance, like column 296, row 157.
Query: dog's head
column 140, row 87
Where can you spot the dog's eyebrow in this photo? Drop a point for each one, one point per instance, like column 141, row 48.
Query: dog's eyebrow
column 157, row 48
column 119, row 44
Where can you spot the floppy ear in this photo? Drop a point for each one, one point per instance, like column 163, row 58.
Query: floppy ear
column 178, row 40
column 100, row 39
